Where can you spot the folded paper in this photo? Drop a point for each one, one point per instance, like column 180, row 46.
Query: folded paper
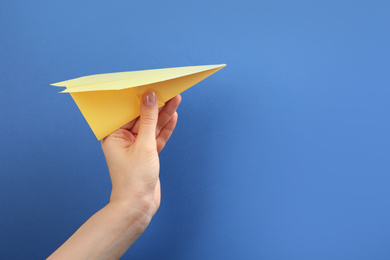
column 109, row 101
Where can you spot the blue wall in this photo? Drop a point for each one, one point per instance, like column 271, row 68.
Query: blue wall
column 283, row 154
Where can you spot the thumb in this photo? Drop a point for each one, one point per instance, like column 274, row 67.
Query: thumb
column 148, row 118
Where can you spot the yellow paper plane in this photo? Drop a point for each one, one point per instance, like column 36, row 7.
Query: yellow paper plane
column 109, row 101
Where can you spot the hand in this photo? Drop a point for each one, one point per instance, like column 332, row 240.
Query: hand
column 132, row 154
column 132, row 158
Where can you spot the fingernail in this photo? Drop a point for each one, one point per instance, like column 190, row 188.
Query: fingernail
column 149, row 99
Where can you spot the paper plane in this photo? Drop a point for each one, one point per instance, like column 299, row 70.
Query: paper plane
column 109, row 101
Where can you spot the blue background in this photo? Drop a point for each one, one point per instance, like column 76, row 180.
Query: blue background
column 283, row 154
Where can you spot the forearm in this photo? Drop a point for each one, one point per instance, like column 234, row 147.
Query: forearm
column 108, row 233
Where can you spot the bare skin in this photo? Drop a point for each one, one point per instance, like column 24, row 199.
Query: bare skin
column 132, row 159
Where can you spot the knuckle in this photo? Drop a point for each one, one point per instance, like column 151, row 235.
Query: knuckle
column 149, row 118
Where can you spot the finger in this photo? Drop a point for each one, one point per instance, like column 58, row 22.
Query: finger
column 166, row 132
column 148, row 119
column 135, row 127
column 130, row 125
column 167, row 112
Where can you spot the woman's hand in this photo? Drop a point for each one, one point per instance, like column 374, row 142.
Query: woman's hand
column 132, row 154
column 132, row 158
